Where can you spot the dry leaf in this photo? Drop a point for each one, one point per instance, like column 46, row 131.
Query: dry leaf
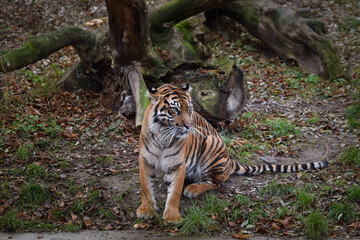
column 87, row 221
column 240, row 236
column 109, row 227
column 232, row 224
column 355, row 225
column 73, row 216
column 275, row 226
column 141, row 225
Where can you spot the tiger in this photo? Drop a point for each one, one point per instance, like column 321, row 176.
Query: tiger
column 178, row 142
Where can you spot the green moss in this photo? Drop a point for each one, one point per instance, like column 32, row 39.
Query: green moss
column 144, row 100
column 207, row 97
column 184, row 28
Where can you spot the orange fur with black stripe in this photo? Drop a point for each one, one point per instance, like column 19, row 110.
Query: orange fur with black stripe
column 183, row 145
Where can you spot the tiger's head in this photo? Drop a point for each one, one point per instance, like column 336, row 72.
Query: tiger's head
column 172, row 110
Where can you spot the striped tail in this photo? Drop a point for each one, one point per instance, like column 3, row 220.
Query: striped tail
column 240, row 169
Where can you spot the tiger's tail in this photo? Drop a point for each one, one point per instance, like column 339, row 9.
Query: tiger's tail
column 240, row 169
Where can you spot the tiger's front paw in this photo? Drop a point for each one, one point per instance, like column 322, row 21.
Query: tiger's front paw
column 145, row 212
column 172, row 215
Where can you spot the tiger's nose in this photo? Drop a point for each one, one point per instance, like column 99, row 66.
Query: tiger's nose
column 187, row 125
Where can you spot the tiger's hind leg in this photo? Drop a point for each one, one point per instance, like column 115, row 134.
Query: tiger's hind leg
column 195, row 189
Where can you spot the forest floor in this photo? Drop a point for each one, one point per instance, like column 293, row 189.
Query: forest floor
column 68, row 164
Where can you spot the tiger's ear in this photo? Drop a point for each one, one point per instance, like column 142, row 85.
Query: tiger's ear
column 151, row 92
column 187, row 88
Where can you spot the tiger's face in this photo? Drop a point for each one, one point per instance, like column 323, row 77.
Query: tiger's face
column 172, row 110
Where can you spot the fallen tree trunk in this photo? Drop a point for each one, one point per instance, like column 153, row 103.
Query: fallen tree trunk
column 87, row 44
column 291, row 34
column 163, row 20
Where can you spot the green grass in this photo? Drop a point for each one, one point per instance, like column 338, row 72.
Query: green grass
column 313, row 120
column 312, row 80
column 78, row 207
column 352, row 114
column 351, row 157
column 281, row 212
column 327, row 190
column 102, row 160
column 4, row 190
column 197, row 221
column 281, row 128
column 72, row 187
column 215, row 206
column 25, row 151
column 11, row 222
column 34, row 194
column 277, row 189
column 104, row 213
column 46, row 81
column 242, row 200
column 71, row 227
column 34, row 170
column 256, row 211
column 64, row 164
column 304, row 201
column 342, row 211
column 354, row 194
column 317, row 227
column 118, row 197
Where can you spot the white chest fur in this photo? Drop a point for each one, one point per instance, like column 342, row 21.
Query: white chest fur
column 161, row 158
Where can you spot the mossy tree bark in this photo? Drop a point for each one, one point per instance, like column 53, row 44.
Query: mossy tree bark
column 291, row 34
column 163, row 20
column 129, row 33
column 86, row 43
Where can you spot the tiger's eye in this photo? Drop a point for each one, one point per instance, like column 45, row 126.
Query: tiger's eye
column 175, row 110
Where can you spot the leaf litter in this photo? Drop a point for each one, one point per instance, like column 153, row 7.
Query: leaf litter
column 90, row 153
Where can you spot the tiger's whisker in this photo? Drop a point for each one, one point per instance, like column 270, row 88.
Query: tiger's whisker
column 197, row 131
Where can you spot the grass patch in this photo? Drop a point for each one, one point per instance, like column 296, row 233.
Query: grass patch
column 78, row 207
column 304, row 201
column 4, row 190
column 71, row 227
column 104, row 213
column 351, row 157
column 281, row 212
column 255, row 212
column 277, row 189
column 34, row 194
column 242, row 200
column 104, row 160
column 215, row 206
column 354, row 194
column 281, row 128
column 317, row 227
column 327, row 190
column 64, row 164
column 314, row 120
column 11, row 222
column 25, row 151
column 342, row 211
column 352, row 114
column 34, row 170
column 197, row 221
